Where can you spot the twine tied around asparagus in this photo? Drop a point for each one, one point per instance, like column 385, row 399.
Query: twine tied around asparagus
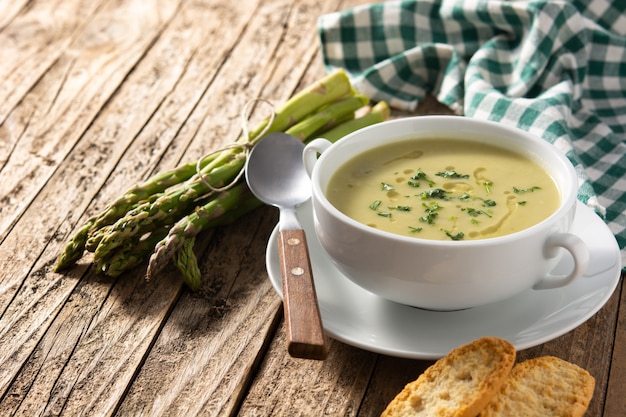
column 246, row 146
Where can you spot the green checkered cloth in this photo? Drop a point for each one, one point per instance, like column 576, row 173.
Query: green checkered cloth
column 554, row 68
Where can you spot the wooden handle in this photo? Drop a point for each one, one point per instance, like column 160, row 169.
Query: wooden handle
column 305, row 334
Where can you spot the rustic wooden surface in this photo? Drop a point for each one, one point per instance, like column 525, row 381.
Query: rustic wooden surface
column 96, row 95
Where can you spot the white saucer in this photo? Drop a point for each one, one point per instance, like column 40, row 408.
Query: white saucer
column 359, row 318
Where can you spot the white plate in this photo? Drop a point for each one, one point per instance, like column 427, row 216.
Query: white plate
column 359, row 318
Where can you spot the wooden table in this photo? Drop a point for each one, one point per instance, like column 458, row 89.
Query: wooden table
column 96, row 95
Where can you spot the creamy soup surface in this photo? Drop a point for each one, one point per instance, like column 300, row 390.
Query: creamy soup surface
column 444, row 189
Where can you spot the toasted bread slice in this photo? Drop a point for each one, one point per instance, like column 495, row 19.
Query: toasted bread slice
column 545, row 386
column 458, row 385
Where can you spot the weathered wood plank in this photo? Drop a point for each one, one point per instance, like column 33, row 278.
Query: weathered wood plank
column 286, row 386
column 91, row 348
column 9, row 10
column 615, row 401
column 389, row 377
column 21, row 249
column 47, row 291
column 212, row 341
column 33, row 37
column 53, row 115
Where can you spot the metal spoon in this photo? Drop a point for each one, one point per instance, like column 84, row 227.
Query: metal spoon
column 276, row 175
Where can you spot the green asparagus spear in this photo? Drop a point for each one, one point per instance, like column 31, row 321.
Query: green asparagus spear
column 180, row 233
column 192, row 224
column 163, row 214
column 333, row 87
column 175, row 204
column 165, row 250
column 171, row 205
column 75, row 248
column 378, row 113
column 327, row 116
column 131, row 254
column 187, row 263
column 145, row 190
column 140, row 192
column 327, row 90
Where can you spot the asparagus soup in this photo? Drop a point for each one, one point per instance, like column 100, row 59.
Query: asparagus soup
column 444, row 189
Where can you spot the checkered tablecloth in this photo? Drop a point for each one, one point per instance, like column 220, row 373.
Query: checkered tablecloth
column 554, row 68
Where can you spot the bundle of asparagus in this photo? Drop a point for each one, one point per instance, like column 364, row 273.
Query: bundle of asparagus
column 161, row 217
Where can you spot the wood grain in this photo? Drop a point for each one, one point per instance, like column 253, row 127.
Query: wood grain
column 31, row 295
column 609, row 397
column 98, row 95
column 303, row 323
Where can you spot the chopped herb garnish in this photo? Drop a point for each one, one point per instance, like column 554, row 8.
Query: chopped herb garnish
column 429, row 217
column 414, row 229
column 451, row 174
column 525, row 190
column 464, row 197
column 475, row 213
column 431, row 206
column 375, row 204
column 431, row 212
column 488, row 203
column 521, row 203
column 458, row 236
column 386, row 187
column 413, row 184
column 435, row 193
column 487, row 185
column 421, row 175
column 384, row 214
column 401, row 208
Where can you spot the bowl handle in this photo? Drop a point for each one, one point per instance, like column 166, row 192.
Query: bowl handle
column 311, row 150
column 579, row 251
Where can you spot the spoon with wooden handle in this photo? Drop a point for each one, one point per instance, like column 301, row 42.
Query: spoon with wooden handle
column 276, row 175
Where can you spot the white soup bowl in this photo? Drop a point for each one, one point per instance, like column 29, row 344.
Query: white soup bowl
column 446, row 275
